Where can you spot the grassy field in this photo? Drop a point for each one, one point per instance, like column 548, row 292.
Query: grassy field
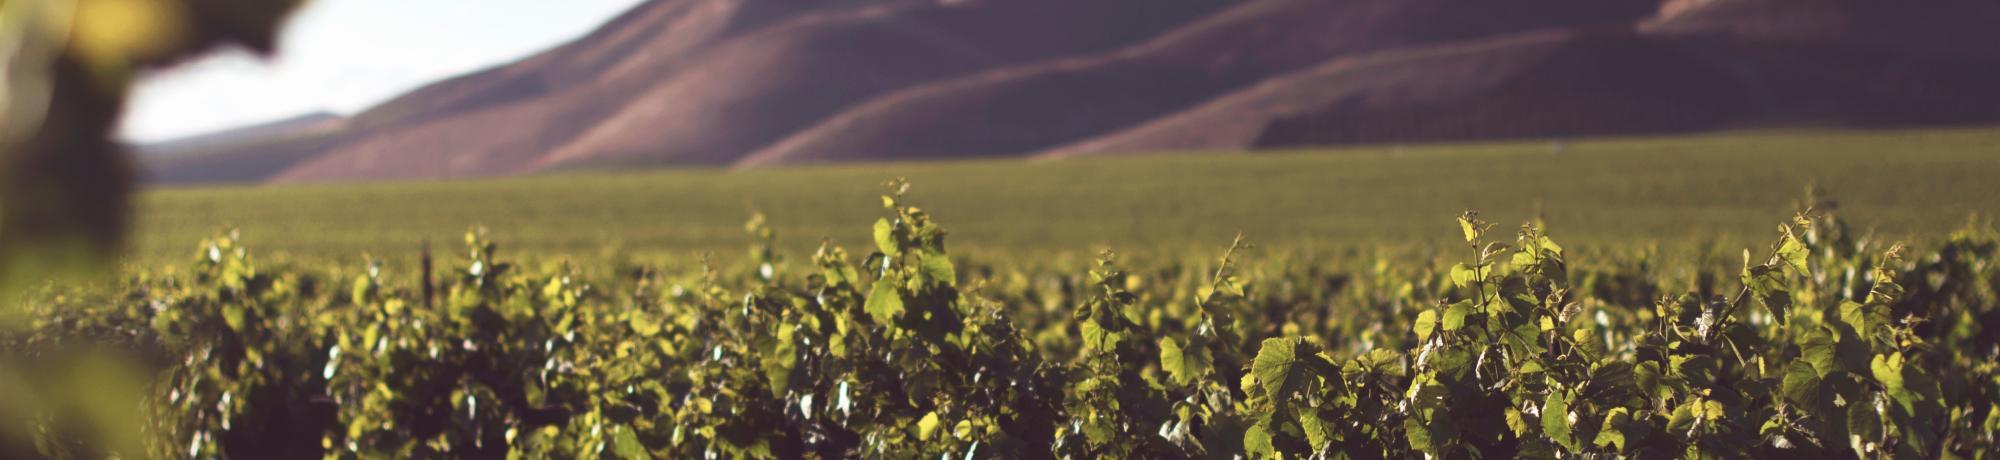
column 1727, row 189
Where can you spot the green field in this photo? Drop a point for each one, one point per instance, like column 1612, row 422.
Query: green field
column 1366, row 324
column 1725, row 189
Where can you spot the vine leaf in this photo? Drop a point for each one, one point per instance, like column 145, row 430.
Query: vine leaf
column 1816, row 346
column 1319, row 432
column 927, row 426
column 1454, row 318
column 1426, row 324
column 1257, row 443
column 1794, row 254
column 884, row 302
column 1613, row 432
column 885, row 237
column 936, row 267
column 1555, row 419
column 1274, row 364
column 1183, row 365
column 626, row 444
column 1801, row 384
column 1462, row 275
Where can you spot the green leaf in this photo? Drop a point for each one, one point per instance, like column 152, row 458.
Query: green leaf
column 1864, row 318
column 1992, row 421
column 626, row 444
column 1426, row 323
column 1555, row 419
column 1683, row 418
column 1517, row 422
column 1697, row 370
column 1612, row 433
column 885, row 237
column 1794, row 255
column 963, row 430
column 1273, row 365
column 1801, row 384
column 936, row 267
column 1096, row 337
column 1817, row 348
column 1864, row 428
column 363, row 286
column 1610, row 383
column 1529, row 367
column 1767, row 284
column 1525, row 260
column 1418, row 435
column 232, row 314
column 1454, row 318
column 1646, row 376
column 1430, row 422
column 1378, row 362
column 884, row 301
column 1462, row 275
column 781, row 358
column 1230, row 286
column 643, row 324
column 1888, row 370
column 927, row 426
column 1319, row 432
column 1257, row 443
column 1183, row 366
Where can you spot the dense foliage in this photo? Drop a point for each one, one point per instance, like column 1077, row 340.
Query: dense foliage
column 1824, row 344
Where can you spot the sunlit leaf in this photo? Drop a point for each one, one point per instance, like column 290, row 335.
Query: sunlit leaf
column 1184, row 366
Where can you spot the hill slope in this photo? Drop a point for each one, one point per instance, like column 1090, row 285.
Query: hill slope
column 707, row 98
column 1034, row 107
column 1719, row 64
column 775, row 82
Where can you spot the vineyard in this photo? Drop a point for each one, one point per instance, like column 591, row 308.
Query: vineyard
column 1613, row 195
column 1823, row 342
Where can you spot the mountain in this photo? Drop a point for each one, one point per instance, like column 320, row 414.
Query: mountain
column 242, row 154
column 1035, row 107
column 1699, row 65
column 751, row 83
column 702, row 81
column 295, row 125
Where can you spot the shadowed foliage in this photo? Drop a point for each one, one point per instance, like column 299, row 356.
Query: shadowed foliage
column 65, row 188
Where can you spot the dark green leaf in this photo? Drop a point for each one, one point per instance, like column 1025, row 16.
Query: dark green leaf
column 1555, row 419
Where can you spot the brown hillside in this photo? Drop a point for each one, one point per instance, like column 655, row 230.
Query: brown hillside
column 769, row 82
column 1470, row 75
column 707, row 98
column 499, row 120
column 1034, row 107
column 755, row 90
column 1721, row 64
column 650, row 37
column 1949, row 29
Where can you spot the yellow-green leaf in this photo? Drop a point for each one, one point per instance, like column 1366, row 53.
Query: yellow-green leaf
column 885, row 237
column 927, row 426
column 884, row 301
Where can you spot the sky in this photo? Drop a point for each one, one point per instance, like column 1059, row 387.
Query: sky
column 343, row 56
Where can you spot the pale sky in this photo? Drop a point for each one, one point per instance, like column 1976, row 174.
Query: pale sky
column 346, row 55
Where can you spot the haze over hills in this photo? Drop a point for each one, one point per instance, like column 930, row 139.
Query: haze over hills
column 776, row 82
column 307, row 124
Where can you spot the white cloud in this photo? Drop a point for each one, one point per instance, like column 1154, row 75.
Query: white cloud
column 346, row 55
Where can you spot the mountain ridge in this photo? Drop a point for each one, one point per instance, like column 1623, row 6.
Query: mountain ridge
column 756, row 83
